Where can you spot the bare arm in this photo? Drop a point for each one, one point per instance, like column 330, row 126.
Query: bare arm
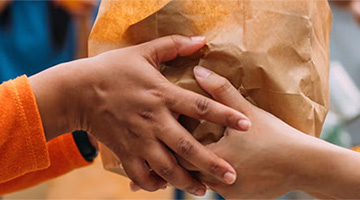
column 333, row 171
column 273, row 158
column 121, row 98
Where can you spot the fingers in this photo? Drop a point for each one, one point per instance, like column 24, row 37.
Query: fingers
column 220, row 89
column 200, row 107
column 134, row 187
column 168, row 48
column 140, row 173
column 355, row 7
column 185, row 164
column 165, row 165
column 191, row 150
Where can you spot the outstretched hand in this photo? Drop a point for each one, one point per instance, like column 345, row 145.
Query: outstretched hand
column 122, row 99
column 263, row 157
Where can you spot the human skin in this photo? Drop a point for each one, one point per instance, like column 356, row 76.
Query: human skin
column 353, row 6
column 272, row 158
column 355, row 9
column 122, row 100
column 3, row 4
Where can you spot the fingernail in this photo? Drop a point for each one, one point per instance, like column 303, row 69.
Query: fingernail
column 229, row 178
column 244, row 124
column 201, row 72
column 198, row 38
column 356, row 7
column 134, row 188
column 199, row 192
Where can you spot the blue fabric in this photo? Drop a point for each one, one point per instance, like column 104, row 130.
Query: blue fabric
column 26, row 47
column 179, row 194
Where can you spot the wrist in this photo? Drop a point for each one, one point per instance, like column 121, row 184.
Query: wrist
column 325, row 168
column 309, row 159
column 297, row 156
column 52, row 91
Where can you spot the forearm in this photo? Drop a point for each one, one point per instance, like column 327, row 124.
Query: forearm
column 55, row 98
column 328, row 169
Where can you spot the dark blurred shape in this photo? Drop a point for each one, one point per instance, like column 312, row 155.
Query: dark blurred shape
column 59, row 22
column 5, row 17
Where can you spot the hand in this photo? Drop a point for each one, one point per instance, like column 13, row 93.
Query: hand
column 273, row 158
column 122, row 99
column 355, row 8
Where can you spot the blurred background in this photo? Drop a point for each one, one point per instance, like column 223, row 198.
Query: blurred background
column 35, row 35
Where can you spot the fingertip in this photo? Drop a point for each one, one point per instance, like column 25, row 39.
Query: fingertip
column 229, row 178
column 356, row 7
column 230, row 175
column 243, row 125
column 198, row 39
column 189, row 48
column 164, row 187
column 200, row 192
column 201, row 72
column 134, row 187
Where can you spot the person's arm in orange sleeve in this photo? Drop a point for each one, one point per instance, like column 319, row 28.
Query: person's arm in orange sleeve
column 22, row 141
column 126, row 105
column 63, row 151
column 64, row 157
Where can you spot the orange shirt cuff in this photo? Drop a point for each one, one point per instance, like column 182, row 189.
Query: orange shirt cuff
column 22, row 140
column 64, row 156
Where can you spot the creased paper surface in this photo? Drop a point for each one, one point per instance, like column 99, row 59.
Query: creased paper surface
column 275, row 52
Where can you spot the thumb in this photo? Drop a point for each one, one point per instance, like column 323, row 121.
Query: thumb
column 355, row 7
column 221, row 89
column 169, row 47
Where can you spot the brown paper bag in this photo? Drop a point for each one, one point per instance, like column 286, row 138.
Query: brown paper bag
column 275, row 52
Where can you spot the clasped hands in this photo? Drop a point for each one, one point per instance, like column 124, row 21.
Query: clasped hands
column 122, row 100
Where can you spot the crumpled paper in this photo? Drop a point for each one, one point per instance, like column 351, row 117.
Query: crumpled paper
column 275, row 52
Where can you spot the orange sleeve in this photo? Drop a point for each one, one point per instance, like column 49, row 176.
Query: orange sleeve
column 22, row 141
column 25, row 155
column 64, row 157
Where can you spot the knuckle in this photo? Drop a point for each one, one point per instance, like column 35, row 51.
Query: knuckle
column 148, row 52
column 175, row 40
column 166, row 171
column 214, row 168
column 133, row 134
column 202, row 106
column 185, row 147
column 158, row 94
column 231, row 118
column 148, row 116
column 223, row 86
